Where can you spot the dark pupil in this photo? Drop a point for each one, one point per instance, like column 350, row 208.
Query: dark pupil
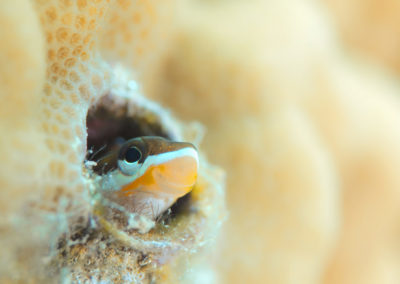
column 132, row 155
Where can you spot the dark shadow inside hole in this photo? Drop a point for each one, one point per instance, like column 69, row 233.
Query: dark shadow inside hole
column 182, row 206
column 107, row 128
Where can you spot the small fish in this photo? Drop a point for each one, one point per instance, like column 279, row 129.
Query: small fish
column 146, row 175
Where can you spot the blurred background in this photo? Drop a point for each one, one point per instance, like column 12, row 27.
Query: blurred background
column 300, row 102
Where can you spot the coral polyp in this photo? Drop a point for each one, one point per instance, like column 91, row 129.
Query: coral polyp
column 84, row 102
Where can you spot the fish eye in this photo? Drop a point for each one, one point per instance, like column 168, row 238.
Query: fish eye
column 129, row 164
column 132, row 155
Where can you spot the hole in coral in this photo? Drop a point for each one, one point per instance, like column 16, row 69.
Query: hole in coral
column 112, row 121
column 182, row 206
column 109, row 124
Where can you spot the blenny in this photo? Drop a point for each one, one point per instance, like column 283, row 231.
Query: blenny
column 146, row 175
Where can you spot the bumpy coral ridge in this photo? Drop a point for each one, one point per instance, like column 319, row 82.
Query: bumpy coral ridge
column 52, row 199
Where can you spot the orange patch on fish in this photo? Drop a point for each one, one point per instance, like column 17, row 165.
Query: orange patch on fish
column 175, row 177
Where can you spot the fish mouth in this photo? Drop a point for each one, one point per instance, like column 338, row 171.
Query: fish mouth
column 187, row 226
column 111, row 121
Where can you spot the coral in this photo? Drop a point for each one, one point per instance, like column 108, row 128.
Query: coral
column 135, row 32
column 309, row 138
column 370, row 28
column 53, row 224
column 20, row 98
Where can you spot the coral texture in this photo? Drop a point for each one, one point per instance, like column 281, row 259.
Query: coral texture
column 53, row 225
column 309, row 138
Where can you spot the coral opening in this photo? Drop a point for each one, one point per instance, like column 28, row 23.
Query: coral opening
column 109, row 124
column 112, row 121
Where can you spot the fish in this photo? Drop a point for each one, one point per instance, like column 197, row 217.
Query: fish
column 146, row 175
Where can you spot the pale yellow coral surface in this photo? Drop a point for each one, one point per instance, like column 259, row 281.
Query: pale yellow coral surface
column 309, row 136
column 53, row 70
column 22, row 76
column 370, row 28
